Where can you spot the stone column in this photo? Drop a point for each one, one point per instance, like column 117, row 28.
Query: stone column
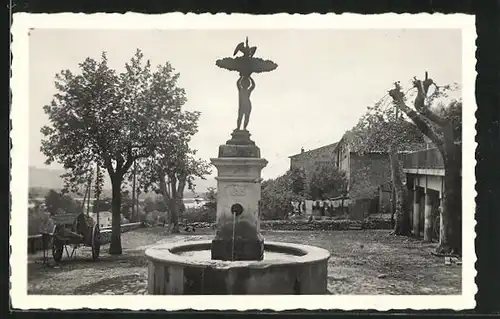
column 428, row 217
column 239, row 169
column 416, row 212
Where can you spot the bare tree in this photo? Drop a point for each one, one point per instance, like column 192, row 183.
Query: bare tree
column 440, row 130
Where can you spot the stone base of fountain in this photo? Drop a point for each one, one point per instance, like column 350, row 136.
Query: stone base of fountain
column 187, row 269
column 240, row 145
column 239, row 249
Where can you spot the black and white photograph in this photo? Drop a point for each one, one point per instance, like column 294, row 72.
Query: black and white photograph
column 159, row 158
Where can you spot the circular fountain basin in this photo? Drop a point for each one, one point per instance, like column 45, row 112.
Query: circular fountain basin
column 187, row 268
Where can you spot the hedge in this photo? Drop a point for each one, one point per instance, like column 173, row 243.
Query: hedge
column 324, row 225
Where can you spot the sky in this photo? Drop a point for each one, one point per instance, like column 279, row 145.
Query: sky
column 324, row 81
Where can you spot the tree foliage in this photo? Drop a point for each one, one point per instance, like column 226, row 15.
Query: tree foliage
column 298, row 181
column 327, row 181
column 172, row 166
column 386, row 131
column 149, row 205
column 39, row 220
column 102, row 205
column 211, row 198
column 109, row 119
column 276, row 198
column 57, row 203
column 278, row 194
column 382, row 131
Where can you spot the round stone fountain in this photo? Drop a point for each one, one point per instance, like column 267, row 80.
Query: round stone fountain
column 237, row 261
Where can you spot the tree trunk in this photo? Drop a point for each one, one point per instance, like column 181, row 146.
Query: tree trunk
column 133, row 212
column 115, row 248
column 393, row 206
column 174, row 209
column 401, row 223
column 451, row 234
column 342, row 204
column 176, row 204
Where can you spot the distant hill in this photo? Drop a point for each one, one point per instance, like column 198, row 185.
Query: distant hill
column 44, row 179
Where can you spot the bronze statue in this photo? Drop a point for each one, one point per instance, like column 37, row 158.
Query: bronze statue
column 244, row 48
column 245, row 65
column 245, row 86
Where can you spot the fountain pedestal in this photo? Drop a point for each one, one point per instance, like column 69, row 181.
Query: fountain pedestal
column 238, row 261
column 239, row 169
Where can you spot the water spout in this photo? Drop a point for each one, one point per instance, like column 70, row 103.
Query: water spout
column 232, row 246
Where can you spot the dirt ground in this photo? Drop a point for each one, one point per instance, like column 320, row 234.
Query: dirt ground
column 362, row 262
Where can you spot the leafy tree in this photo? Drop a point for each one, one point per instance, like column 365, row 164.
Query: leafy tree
column 161, row 205
column 276, row 198
column 388, row 132
column 211, row 198
column 56, row 203
column 127, row 203
column 327, row 181
column 442, row 132
column 298, row 182
column 149, row 205
column 110, row 120
column 173, row 169
column 278, row 194
column 171, row 166
column 39, row 220
column 102, row 205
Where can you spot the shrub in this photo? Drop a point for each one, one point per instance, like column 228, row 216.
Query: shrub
column 39, row 221
column 202, row 214
column 324, row 225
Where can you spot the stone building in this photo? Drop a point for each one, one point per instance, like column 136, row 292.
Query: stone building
column 307, row 160
column 368, row 174
column 425, row 175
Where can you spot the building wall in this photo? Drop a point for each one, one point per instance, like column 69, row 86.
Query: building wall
column 343, row 158
column 308, row 160
column 367, row 173
column 105, row 218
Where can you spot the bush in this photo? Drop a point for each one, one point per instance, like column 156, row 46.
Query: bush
column 324, row 225
column 200, row 215
column 39, row 221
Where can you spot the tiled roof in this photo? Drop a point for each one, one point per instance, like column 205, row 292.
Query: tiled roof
column 309, row 152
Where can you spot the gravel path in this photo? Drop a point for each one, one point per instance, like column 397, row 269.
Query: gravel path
column 362, row 262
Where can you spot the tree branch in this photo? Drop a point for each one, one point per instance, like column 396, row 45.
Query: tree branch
column 163, row 185
column 129, row 162
column 397, row 96
column 422, row 90
column 108, row 165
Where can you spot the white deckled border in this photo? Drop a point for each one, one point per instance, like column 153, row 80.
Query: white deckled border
column 22, row 22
